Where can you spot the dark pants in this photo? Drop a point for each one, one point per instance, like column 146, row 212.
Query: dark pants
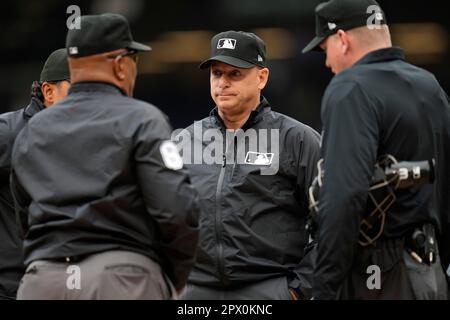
column 108, row 275
column 401, row 276
column 271, row 289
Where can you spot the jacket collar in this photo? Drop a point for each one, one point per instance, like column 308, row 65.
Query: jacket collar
column 34, row 107
column 255, row 116
column 386, row 54
column 95, row 87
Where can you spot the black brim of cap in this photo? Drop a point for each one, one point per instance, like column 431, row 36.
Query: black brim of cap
column 314, row 45
column 235, row 62
column 56, row 80
column 138, row 46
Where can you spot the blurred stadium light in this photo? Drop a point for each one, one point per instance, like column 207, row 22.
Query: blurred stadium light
column 179, row 32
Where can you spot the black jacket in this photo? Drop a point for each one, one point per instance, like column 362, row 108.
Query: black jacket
column 253, row 224
column 90, row 172
column 381, row 105
column 11, row 257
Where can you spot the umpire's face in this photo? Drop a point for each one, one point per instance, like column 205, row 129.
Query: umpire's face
column 336, row 48
column 236, row 90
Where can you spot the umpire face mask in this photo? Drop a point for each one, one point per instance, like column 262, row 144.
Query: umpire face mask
column 389, row 175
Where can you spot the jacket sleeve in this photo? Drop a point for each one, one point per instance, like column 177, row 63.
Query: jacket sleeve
column 9, row 128
column 20, row 196
column 307, row 153
column 5, row 150
column 308, row 156
column 349, row 150
column 441, row 183
column 169, row 197
column 21, row 203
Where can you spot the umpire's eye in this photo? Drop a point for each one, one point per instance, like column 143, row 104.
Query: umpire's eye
column 235, row 73
column 132, row 54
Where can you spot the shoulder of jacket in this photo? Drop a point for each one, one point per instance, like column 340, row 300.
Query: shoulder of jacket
column 143, row 109
column 359, row 74
column 9, row 121
column 340, row 86
column 290, row 124
column 205, row 123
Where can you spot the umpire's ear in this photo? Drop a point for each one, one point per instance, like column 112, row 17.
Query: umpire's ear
column 344, row 41
column 263, row 77
column 47, row 90
column 119, row 68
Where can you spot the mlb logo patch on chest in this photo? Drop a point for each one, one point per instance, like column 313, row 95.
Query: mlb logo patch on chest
column 259, row 158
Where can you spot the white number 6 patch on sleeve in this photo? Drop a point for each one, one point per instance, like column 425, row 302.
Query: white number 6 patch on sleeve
column 170, row 155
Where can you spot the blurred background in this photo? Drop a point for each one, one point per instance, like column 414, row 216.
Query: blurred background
column 179, row 33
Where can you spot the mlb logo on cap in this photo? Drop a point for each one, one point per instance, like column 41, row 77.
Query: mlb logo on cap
column 73, row 50
column 238, row 49
column 226, row 43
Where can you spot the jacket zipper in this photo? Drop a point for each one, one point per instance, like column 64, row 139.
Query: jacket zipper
column 217, row 221
column 235, row 156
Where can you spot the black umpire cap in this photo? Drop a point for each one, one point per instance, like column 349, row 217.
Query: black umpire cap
column 344, row 15
column 99, row 34
column 56, row 68
column 237, row 48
